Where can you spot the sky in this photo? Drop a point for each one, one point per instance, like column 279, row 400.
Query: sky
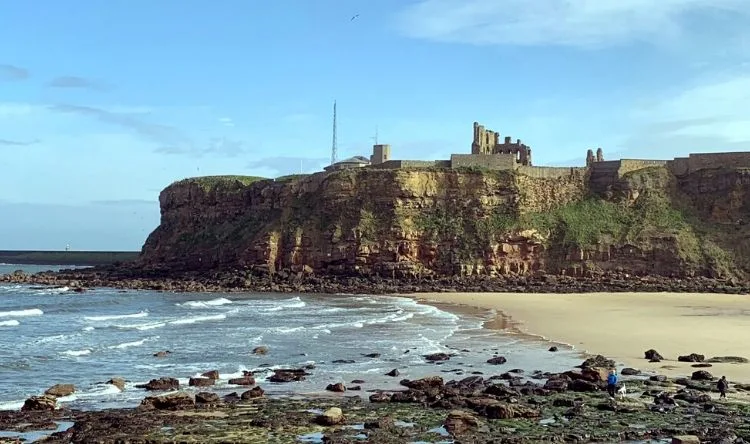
column 105, row 103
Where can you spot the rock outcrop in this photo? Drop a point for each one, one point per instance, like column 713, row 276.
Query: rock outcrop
column 447, row 222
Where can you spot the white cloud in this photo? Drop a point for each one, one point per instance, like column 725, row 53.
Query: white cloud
column 580, row 23
column 716, row 109
column 226, row 121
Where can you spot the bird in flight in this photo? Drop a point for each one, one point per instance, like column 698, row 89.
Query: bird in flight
column 354, row 17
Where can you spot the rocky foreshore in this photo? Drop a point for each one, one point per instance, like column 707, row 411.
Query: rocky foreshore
column 510, row 407
column 249, row 280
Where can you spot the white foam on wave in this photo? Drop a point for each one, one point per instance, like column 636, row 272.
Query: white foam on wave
column 140, row 314
column 89, row 328
column 11, row 323
column 53, row 290
column 20, row 313
column 186, row 321
column 132, row 344
column 142, row 327
column 11, row 405
column 77, row 352
column 285, row 330
column 218, row 302
column 295, row 302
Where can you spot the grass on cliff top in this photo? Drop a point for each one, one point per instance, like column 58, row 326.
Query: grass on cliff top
column 209, row 182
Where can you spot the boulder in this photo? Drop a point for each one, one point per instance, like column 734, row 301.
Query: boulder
column 207, row 398
column 627, row 371
column 393, row 373
column 380, row 397
column 338, row 387
column 162, row 354
column 701, row 375
column 459, row 422
column 497, row 360
column 288, row 375
column 598, row 361
column 117, row 382
column 437, row 357
column 245, row 380
column 330, row 417
column 595, row 374
column 174, row 401
column 553, row 349
column 60, row 390
column 692, row 357
column 213, row 374
column 424, row 384
column 692, row 396
column 161, row 384
column 39, row 403
column 253, row 393
column 201, row 382
column 581, row 385
column 372, row 355
column 653, row 355
column 557, row 385
column 260, row 350
column 701, row 365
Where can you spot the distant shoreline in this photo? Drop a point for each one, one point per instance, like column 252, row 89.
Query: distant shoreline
column 79, row 258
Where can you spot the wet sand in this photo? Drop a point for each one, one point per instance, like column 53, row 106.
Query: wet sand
column 624, row 325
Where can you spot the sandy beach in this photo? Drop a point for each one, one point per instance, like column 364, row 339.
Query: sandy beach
column 624, row 325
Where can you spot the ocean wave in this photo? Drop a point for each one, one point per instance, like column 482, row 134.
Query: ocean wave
column 77, row 352
column 218, row 302
column 295, row 302
column 11, row 323
column 186, row 321
column 11, row 405
column 140, row 314
column 286, row 330
column 19, row 313
column 132, row 344
column 141, row 327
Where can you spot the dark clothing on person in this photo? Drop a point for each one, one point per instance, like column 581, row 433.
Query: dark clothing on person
column 612, row 389
column 723, row 385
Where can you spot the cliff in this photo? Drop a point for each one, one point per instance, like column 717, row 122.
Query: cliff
column 418, row 222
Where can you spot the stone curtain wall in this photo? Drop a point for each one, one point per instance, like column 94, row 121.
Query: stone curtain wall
column 551, row 172
column 681, row 165
column 488, row 161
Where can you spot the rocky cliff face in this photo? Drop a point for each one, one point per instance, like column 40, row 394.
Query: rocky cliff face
column 420, row 222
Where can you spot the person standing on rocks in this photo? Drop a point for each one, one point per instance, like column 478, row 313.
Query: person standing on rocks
column 723, row 385
column 612, row 383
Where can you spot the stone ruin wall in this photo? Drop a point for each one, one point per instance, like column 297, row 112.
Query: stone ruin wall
column 681, row 166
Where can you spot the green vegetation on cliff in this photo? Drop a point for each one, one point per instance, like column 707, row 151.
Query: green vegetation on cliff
column 210, row 182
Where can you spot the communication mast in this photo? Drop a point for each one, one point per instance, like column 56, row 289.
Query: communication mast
column 334, row 148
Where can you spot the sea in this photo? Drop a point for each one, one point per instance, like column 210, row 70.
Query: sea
column 53, row 335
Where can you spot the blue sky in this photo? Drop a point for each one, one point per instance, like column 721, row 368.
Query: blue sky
column 104, row 103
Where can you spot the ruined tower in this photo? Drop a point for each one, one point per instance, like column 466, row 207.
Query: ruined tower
column 599, row 155
column 380, row 153
column 590, row 158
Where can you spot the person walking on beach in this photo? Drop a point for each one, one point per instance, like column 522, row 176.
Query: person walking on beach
column 722, row 385
column 612, row 383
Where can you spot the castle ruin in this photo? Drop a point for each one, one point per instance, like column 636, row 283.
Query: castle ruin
column 487, row 152
column 488, row 142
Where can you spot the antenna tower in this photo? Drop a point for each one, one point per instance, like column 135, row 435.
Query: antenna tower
column 334, row 147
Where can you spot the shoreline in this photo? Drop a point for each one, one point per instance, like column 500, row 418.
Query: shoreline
column 626, row 335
